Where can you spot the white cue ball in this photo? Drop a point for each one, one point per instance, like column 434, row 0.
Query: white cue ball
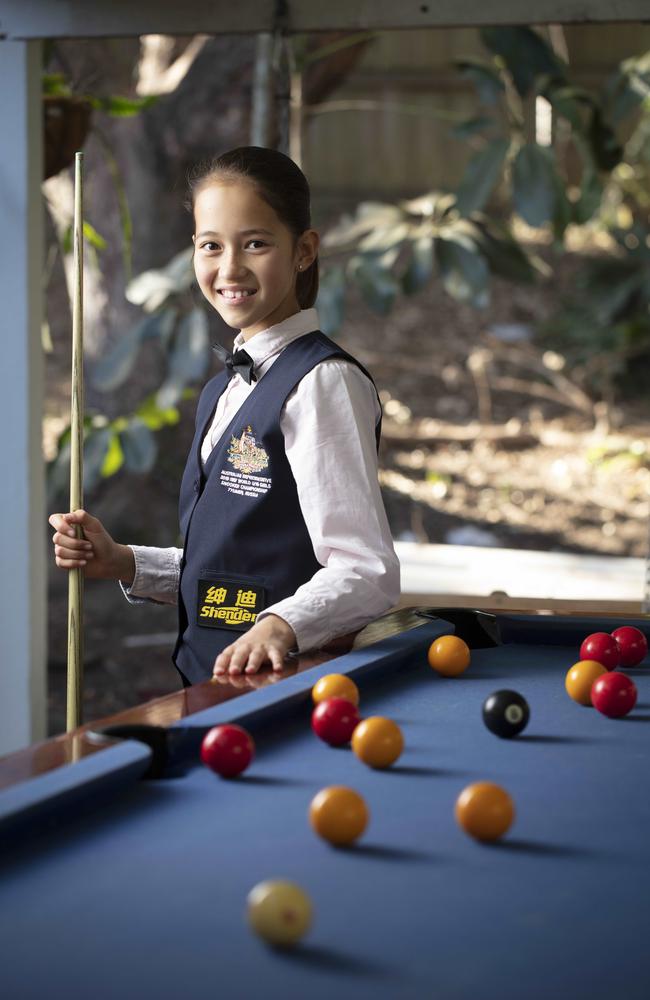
column 279, row 912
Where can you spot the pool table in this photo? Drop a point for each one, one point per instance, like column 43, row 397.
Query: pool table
column 126, row 863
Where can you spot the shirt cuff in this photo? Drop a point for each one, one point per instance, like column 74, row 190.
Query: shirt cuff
column 311, row 624
column 156, row 578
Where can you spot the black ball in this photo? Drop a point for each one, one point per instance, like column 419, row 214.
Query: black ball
column 506, row 713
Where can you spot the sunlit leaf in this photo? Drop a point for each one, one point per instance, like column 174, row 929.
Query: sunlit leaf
column 122, row 107
column 154, row 417
column 151, row 288
column 114, row 457
column 93, row 237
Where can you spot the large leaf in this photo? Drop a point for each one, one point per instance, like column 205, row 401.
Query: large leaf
column 525, row 53
column 420, row 266
column 370, row 216
column 151, row 288
column 96, row 448
column 481, row 175
column 139, row 446
column 378, row 286
column 591, row 193
column 436, row 205
column 114, row 369
column 383, row 238
column 628, row 88
column 485, row 78
column 189, row 358
column 114, row 457
column 505, row 255
column 331, row 300
column 535, row 184
column 154, row 417
column 605, row 147
column 464, row 272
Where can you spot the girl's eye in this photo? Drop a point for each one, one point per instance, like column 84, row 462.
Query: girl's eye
column 210, row 246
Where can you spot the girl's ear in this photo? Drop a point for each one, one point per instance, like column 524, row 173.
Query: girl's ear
column 308, row 247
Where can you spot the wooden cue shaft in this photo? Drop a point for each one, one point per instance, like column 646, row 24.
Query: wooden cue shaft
column 75, row 576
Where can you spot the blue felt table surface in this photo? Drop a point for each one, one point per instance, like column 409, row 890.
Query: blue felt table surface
column 147, row 898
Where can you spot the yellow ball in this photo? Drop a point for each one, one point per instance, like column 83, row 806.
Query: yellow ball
column 279, row 912
column 338, row 814
column 484, row 810
column 580, row 678
column 378, row 742
column 335, row 686
column 449, row 655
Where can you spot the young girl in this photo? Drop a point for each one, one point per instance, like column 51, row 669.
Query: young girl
column 286, row 541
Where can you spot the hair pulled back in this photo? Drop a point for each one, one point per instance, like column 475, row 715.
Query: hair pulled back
column 279, row 182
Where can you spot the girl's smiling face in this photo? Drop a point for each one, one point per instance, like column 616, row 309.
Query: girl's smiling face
column 245, row 258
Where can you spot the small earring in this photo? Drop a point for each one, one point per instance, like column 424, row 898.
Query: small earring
column 300, row 267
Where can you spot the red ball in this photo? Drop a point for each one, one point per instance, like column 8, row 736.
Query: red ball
column 334, row 720
column 613, row 694
column 601, row 647
column 227, row 750
column 632, row 644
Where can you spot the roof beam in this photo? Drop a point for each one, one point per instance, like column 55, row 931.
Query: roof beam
column 27, row 19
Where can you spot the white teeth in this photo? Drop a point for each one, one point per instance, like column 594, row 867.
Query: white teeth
column 235, row 295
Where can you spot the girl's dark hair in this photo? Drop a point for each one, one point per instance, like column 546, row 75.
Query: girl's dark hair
column 279, row 182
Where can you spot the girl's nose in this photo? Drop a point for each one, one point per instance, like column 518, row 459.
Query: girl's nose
column 231, row 264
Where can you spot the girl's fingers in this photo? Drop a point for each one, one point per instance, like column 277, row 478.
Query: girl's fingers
column 71, row 543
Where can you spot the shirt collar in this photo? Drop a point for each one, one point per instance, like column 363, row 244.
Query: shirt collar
column 268, row 342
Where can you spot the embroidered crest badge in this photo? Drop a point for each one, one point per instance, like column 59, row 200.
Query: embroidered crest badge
column 245, row 455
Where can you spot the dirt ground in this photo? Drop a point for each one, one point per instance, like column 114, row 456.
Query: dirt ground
column 487, row 440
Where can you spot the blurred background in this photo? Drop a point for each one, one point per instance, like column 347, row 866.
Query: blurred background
column 483, row 197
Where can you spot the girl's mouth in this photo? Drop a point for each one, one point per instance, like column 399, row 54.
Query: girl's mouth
column 236, row 297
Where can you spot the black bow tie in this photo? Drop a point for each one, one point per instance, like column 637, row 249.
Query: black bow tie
column 240, row 362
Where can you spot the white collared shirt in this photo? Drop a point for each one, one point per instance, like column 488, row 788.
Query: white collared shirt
column 328, row 422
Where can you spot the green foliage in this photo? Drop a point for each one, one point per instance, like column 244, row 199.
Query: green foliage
column 127, row 442
column 481, row 176
column 122, row 107
column 524, row 54
column 455, row 237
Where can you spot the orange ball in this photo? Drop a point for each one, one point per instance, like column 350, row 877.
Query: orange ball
column 449, row 655
column 484, row 810
column 338, row 814
column 335, row 686
column 378, row 742
column 579, row 679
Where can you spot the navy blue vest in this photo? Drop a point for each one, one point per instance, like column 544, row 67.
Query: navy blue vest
column 246, row 545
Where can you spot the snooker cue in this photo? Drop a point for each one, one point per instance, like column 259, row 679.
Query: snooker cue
column 75, row 576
